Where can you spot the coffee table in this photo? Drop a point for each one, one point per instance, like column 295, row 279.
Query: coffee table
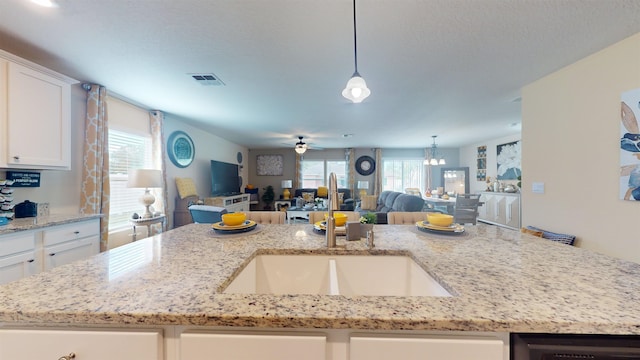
column 300, row 213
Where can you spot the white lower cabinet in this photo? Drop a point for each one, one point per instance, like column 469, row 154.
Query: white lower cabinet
column 425, row 348
column 501, row 209
column 18, row 256
column 67, row 243
column 85, row 344
column 241, row 346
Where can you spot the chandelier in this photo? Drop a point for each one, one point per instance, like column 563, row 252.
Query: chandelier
column 356, row 89
column 432, row 156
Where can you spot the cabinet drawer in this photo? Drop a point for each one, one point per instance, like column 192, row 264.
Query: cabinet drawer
column 16, row 243
column 62, row 233
column 94, row 345
column 233, row 346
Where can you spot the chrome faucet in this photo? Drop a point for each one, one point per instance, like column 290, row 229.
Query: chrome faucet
column 333, row 205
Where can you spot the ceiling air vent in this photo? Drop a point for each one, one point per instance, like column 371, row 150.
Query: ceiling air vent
column 207, row 79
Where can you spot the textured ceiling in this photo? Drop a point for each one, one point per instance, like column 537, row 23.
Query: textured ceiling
column 452, row 68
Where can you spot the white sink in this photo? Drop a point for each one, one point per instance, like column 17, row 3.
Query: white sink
column 373, row 275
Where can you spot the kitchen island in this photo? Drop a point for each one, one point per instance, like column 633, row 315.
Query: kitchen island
column 502, row 281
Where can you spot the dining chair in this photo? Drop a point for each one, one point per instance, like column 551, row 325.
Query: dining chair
column 466, row 209
column 405, row 217
column 267, row 217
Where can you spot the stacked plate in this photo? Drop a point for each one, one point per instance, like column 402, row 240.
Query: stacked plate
column 321, row 226
column 221, row 228
column 453, row 229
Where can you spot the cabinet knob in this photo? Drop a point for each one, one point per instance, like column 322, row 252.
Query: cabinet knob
column 68, row 357
column 16, row 158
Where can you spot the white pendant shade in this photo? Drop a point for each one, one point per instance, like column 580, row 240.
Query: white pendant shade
column 356, row 89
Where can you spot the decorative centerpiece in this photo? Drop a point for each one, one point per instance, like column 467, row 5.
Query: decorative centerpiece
column 366, row 222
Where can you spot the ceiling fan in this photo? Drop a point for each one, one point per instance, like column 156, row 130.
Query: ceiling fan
column 301, row 146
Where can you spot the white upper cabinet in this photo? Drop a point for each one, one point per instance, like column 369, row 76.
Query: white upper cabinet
column 35, row 119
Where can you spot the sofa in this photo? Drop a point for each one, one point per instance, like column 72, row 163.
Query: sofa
column 347, row 201
column 389, row 201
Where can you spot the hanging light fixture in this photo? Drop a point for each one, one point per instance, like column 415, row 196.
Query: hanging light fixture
column 356, row 89
column 432, row 158
column 301, row 146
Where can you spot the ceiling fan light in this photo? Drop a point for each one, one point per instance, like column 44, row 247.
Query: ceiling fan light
column 301, row 148
column 356, row 89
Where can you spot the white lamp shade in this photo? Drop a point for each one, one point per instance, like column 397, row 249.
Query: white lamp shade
column 287, row 184
column 356, row 89
column 301, row 148
column 144, row 178
column 442, row 162
column 363, row 185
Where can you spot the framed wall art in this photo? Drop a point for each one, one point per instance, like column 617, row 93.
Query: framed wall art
column 270, row 165
column 508, row 161
column 180, row 149
column 482, row 163
column 630, row 146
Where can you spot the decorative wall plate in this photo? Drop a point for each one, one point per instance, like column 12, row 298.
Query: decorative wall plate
column 365, row 165
column 180, row 149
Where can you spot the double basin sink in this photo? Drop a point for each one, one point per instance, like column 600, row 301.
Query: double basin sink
column 348, row 275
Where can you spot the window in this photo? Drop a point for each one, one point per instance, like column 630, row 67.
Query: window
column 316, row 173
column 126, row 151
column 398, row 174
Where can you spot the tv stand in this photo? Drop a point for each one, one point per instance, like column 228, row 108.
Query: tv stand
column 233, row 203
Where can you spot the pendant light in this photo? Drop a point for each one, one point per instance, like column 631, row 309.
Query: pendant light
column 432, row 159
column 301, row 146
column 356, row 89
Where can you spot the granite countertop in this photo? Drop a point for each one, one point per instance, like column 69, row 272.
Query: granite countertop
column 502, row 281
column 32, row 223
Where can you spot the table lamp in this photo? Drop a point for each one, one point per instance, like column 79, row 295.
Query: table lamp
column 145, row 178
column 363, row 186
column 286, row 185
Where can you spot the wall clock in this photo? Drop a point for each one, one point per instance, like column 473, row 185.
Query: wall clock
column 180, row 149
column 365, row 165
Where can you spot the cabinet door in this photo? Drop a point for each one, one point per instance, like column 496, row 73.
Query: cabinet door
column 512, row 211
column 418, row 348
column 236, row 346
column 90, row 345
column 18, row 266
column 37, row 101
column 70, row 251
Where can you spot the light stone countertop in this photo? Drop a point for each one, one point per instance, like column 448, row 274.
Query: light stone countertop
column 33, row 223
column 503, row 281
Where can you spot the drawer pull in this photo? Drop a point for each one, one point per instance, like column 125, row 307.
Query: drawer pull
column 68, row 357
column 31, row 260
column 16, row 158
column 76, row 232
column 52, row 254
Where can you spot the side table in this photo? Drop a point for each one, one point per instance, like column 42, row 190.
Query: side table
column 160, row 219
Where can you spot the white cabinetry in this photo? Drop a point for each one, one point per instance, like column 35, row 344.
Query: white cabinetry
column 34, row 98
column 86, row 344
column 500, row 209
column 232, row 203
column 232, row 346
column 31, row 251
column 18, row 256
column 67, row 243
column 369, row 347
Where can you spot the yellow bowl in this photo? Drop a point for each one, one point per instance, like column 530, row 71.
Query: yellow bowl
column 340, row 218
column 438, row 219
column 234, row 219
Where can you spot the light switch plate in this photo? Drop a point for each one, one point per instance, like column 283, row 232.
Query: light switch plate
column 537, row 187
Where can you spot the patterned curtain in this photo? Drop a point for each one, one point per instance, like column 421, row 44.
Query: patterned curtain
column 94, row 196
column 156, row 119
column 377, row 181
column 351, row 172
column 297, row 180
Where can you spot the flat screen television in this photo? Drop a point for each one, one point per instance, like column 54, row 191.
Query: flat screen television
column 225, row 180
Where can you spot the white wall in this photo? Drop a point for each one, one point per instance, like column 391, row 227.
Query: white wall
column 570, row 142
